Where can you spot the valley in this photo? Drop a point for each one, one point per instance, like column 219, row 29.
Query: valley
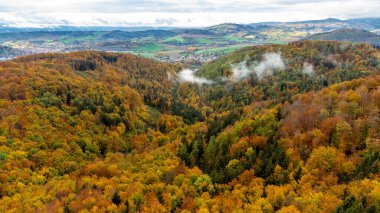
column 173, row 45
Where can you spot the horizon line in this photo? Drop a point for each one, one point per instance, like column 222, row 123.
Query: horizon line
column 52, row 26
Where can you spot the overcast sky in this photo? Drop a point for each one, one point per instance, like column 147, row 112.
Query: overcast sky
column 176, row 13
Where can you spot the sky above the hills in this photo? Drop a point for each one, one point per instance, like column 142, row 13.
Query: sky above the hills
column 176, row 13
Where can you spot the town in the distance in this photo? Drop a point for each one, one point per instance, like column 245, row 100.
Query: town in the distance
column 190, row 45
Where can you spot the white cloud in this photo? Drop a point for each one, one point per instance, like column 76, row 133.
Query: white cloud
column 270, row 62
column 265, row 67
column 240, row 71
column 307, row 69
column 188, row 75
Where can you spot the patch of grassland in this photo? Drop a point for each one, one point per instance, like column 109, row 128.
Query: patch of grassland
column 175, row 39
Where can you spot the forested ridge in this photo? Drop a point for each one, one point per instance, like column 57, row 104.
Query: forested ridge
column 106, row 132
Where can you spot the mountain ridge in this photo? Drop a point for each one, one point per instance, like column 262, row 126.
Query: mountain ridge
column 192, row 45
column 348, row 35
column 374, row 21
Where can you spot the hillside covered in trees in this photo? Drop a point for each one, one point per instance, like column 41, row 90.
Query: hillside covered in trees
column 274, row 128
column 348, row 35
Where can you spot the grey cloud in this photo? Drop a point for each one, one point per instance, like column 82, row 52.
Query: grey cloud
column 183, row 13
column 165, row 21
column 120, row 6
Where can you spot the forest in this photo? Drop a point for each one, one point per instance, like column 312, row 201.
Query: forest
column 107, row 132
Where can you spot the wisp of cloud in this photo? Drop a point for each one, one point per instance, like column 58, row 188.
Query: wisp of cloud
column 265, row 68
column 188, row 75
column 270, row 62
column 240, row 71
column 307, row 69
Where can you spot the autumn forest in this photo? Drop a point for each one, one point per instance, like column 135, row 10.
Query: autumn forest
column 109, row 132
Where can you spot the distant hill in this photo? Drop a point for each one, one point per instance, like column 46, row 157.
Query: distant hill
column 228, row 28
column 349, row 35
column 330, row 23
column 8, row 52
column 365, row 23
column 329, row 20
column 171, row 44
column 4, row 29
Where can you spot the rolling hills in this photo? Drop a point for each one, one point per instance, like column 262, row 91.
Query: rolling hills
column 288, row 128
column 348, row 35
column 8, row 52
column 178, row 44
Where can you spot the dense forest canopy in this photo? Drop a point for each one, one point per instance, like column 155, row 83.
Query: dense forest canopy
column 282, row 128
